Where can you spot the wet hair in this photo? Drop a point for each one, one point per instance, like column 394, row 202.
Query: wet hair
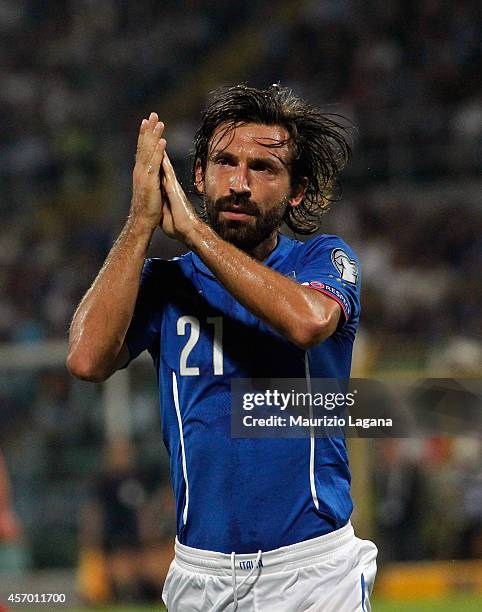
column 318, row 141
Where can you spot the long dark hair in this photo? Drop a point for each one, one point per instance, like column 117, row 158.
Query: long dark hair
column 319, row 143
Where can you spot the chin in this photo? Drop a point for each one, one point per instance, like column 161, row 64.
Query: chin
column 237, row 233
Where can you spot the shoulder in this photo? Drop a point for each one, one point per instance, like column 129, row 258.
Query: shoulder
column 333, row 255
column 327, row 243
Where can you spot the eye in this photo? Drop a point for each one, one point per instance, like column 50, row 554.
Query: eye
column 260, row 166
column 223, row 161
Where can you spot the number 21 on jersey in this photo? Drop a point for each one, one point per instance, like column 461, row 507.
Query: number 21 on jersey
column 194, row 330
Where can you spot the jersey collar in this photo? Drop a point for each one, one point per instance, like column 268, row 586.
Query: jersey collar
column 277, row 255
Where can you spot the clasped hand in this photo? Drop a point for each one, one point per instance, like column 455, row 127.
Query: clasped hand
column 179, row 218
column 157, row 196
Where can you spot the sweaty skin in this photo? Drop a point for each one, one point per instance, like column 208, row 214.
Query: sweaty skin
column 239, row 166
column 100, row 323
column 303, row 315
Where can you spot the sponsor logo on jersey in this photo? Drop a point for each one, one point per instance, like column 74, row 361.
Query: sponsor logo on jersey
column 346, row 267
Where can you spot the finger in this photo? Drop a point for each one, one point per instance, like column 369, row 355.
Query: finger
column 165, row 199
column 151, row 134
column 169, row 172
column 156, row 159
column 152, row 140
column 151, row 122
column 140, row 138
column 169, row 176
column 149, row 126
column 170, row 184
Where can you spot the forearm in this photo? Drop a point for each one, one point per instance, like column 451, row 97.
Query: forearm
column 102, row 319
column 100, row 323
column 292, row 310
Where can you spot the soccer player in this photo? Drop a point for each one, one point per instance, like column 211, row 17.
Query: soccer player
column 262, row 524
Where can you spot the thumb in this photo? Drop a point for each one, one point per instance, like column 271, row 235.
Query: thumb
column 169, row 179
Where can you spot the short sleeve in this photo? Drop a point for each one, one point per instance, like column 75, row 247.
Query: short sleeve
column 330, row 266
column 146, row 321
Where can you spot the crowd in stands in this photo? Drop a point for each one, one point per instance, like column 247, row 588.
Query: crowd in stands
column 78, row 77
column 428, row 499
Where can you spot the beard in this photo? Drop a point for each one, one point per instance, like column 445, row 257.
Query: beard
column 247, row 234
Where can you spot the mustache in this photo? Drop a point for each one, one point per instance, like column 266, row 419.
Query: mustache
column 242, row 205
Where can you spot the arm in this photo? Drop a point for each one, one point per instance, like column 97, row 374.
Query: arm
column 101, row 321
column 301, row 314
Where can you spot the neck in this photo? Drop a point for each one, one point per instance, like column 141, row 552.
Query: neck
column 263, row 249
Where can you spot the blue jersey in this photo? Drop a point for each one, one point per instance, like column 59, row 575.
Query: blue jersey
column 232, row 494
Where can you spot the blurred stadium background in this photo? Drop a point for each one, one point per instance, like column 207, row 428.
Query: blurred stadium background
column 89, row 474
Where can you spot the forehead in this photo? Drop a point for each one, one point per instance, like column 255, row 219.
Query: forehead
column 251, row 139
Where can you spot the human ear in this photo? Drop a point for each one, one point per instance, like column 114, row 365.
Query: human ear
column 199, row 175
column 298, row 192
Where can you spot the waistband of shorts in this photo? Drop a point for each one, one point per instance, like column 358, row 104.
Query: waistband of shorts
column 294, row 556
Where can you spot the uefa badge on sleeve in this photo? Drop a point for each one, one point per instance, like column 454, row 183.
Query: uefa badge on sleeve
column 346, row 267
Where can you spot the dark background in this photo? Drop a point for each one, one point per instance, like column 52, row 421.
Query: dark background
column 76, row 80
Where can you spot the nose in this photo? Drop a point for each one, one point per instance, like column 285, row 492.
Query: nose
column 239, row 184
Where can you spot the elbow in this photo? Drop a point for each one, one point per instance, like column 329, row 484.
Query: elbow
column 84, row 369
column 313, row 332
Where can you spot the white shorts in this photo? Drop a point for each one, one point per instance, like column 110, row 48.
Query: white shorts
column 332, row 573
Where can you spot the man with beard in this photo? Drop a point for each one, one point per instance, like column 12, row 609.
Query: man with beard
column 261, row 523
